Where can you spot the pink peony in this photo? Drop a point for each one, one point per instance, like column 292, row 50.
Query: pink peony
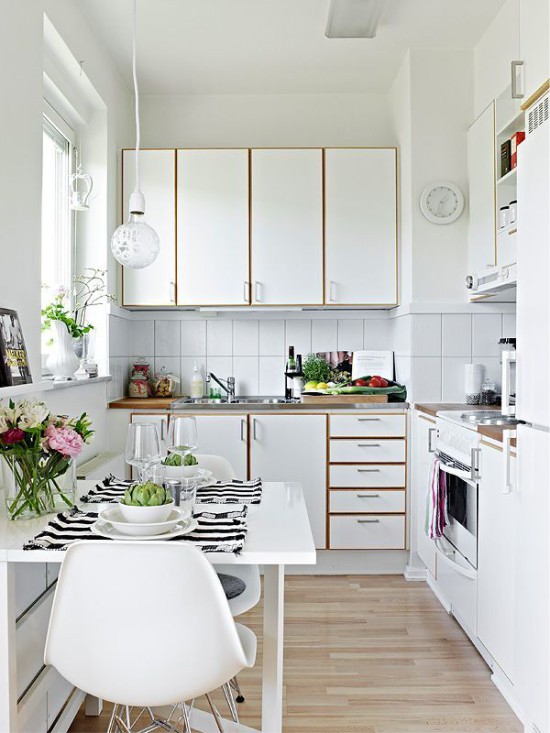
column 15, row 435
column 64, row 440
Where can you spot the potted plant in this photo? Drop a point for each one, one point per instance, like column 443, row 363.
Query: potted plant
column 39, row 449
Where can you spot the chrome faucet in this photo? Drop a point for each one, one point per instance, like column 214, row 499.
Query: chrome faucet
column 228, row 385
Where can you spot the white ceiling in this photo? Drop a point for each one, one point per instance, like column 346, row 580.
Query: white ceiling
column 274, row 46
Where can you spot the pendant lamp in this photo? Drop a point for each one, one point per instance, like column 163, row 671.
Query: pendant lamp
column 135, row 244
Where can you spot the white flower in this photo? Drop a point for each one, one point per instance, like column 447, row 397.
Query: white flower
column 3, row 424
column 10, row 415
column 32, row 414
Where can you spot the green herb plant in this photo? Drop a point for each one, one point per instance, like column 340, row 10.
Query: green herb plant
column 316, row 369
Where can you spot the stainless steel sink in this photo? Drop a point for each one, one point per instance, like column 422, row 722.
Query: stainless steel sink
column 263, row 400
column 253, row 400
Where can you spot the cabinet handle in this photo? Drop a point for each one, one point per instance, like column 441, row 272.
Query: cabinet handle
column 254, row 435
column 431, row 431
column 246, row 291
column 512, row 231
column 257, row 291
column 474, row 470
column 368, row 419
column 368, row 496
column 368, row 470
column 173, row 292
column 368, row 445
column 242, row 429
column 331, row 291
column 507, row 358
column 368, row 521
column 514, row 66
column 507, row 436
column 162, row 429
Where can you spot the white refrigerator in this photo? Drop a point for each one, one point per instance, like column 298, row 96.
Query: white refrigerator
column 533, row 405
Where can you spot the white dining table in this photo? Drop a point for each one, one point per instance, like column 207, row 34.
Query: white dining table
column 279, row 534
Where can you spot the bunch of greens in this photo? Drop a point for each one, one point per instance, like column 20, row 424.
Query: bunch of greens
column 175, row 459
column 316, row 369
column 147, row 494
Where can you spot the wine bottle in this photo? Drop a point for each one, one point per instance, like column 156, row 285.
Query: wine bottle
column 291, row 361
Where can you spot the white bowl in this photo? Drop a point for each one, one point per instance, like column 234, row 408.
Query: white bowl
column 146, row 514
column 114, row 518
column 177, row 472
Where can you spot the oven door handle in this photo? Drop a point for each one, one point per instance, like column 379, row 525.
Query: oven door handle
column 465, row 476
column 447, row 556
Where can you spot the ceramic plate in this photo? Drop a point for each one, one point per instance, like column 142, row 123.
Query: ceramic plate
column 114, row 517
column 105, row 529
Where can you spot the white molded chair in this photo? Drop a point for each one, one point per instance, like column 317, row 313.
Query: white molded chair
column 222, row 470
column 122, row 630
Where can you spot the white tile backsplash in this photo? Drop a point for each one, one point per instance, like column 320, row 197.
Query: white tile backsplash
column 119, row 336
column 452, row 379
column 222, row 366
column 486, row 330
column 142, row 335
column 324, row 336
column 509, row 325
column 350, row 334
column 400, row 335
column 193, row 338
column 272, row 338
column 219, row 338
column 246, row 338
column 167, row 338
column 247, row 375
column 377, row 335
column 425, row 379
column 426, row 334
column 298, row 334
column 272, row 378
column 457, row 335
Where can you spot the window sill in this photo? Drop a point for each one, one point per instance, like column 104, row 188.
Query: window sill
column 79, row 382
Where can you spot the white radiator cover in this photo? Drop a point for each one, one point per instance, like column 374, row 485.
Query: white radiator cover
column 102, row 465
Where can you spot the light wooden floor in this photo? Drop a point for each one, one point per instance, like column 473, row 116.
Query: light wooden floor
column 371, row 654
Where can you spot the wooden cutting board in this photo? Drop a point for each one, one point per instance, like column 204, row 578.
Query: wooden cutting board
column 336, row 399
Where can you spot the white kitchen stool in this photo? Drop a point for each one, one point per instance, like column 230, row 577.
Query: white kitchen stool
column 222, row 470
column 122, row 630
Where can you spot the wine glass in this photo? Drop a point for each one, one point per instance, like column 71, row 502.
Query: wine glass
column 143, row 446
column 182, row 435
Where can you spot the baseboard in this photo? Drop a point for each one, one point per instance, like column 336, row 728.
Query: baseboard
column 506, row 689
column 432, row 584
column 354, row 562
column 413, row 573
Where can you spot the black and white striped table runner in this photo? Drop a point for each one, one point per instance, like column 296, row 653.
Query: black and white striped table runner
column 219, row 530
column 111, row 490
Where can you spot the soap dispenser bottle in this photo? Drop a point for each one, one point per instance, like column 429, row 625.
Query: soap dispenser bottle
column 197, row 385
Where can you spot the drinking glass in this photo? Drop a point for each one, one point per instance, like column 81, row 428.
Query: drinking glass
column 142, row 446
column 182, row 435
column 184, row 492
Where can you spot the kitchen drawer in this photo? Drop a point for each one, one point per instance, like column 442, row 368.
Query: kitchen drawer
column 368, row 426
column 343, row 477
column 375, row 532
column 30, row 640
column 368, row 451
column 377, row 502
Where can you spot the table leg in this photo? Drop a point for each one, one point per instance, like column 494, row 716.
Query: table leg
column 93, row 705
column 8, row 672
column 272, row 683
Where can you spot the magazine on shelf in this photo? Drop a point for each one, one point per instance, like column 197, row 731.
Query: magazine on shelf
column 14, row 361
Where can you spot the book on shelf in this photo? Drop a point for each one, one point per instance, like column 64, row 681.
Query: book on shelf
column 14, row 360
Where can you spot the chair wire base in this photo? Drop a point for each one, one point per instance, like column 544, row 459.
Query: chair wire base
column 234, row 682
column 121, row 720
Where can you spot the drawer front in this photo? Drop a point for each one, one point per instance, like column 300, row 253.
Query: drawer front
column 365, row 426
column 30, row 640
column 30, row 583
column 376, row 532
column 377, row 502
column 343, row 477
column 368, row 451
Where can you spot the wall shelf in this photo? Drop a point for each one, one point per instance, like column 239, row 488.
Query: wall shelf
column 20, row 390
column 509, row 178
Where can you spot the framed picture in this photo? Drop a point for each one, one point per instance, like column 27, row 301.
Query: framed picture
column 14, row 361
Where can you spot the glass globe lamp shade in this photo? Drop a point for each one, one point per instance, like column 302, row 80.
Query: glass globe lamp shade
column 135, row 244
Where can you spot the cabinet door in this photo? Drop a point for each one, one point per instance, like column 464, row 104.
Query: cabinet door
column 287, row 227
column 224, row 435
column 213, row 227
column 496, row 582
column 361, row 226
column 482, row 185
column 420, row 471
column 293, row 448
column 156, row 284
column 534, row 21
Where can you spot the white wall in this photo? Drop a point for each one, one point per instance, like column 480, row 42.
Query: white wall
column 298, row 120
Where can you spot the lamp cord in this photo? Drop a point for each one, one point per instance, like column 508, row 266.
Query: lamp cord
column 136, row 95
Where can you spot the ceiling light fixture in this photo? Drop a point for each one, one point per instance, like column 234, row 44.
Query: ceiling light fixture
column 135, row 244
column 353, row 18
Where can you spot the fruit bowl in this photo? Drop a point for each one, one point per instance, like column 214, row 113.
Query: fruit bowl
column 146, row 514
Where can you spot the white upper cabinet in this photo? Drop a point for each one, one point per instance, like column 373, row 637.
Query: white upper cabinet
column 482, row 185
column 361, row 226
column 213, row 223
column 287, row 227
column 156, row 284
column 534, row 21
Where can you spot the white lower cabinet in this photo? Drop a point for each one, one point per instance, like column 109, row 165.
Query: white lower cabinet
column 381, row 476
column 372, row 501
column 30, row 638
column 367, row 532
column 225, row 435
column 496, row 595
column 423, row 436
column 293, row 448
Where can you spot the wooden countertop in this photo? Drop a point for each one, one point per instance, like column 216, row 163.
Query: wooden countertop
column 432, row 408
column 494, row 432
column 147, row 403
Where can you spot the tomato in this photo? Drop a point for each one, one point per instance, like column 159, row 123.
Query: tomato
column 360, row 383
column 378, row 382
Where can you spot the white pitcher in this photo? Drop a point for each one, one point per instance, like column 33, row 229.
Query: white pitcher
column 62, row 362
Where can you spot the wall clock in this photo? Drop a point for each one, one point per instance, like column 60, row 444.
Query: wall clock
column 442, row 202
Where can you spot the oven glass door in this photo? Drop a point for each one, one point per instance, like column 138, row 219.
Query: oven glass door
column 461, row 530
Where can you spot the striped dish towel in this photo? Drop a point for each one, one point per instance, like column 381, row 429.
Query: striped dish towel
column 219, row 530
column 111, row 491
column 436, row 501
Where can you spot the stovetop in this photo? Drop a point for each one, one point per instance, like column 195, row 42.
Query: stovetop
column 472, row 418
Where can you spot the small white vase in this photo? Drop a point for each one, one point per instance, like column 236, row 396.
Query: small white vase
column 62, row 361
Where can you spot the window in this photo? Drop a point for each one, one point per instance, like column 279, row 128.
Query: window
column 57, row 235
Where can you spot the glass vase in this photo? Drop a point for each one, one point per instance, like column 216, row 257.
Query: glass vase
column 38, row 483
